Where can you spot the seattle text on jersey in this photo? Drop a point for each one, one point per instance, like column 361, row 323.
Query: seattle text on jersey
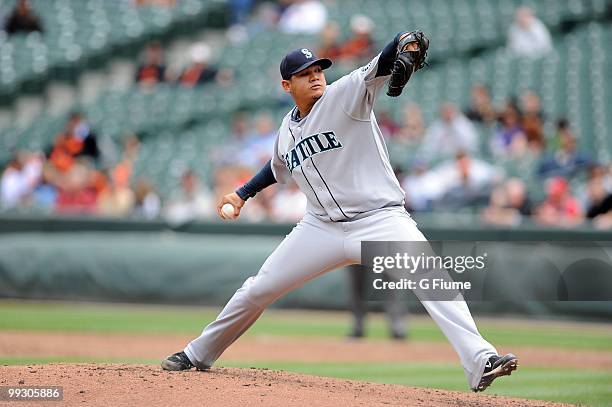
column 309, row 146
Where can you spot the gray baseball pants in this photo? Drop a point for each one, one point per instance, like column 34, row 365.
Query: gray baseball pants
column 315, row 247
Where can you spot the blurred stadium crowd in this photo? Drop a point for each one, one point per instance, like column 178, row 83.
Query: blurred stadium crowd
column 510, row 124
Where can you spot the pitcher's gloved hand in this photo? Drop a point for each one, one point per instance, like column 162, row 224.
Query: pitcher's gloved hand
column 411, row 54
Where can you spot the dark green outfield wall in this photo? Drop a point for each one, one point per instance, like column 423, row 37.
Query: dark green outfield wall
column 204, row 263
column 435, row 227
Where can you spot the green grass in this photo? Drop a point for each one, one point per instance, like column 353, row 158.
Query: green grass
column 591, row 387
column 138, row 319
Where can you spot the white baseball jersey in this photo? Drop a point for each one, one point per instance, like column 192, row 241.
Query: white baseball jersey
column 337, row 154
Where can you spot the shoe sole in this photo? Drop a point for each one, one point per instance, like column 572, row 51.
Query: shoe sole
column 504, row 369
column 173, row 366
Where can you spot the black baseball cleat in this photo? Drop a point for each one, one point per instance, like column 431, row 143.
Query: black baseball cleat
column 497, row 366
column 176, row 362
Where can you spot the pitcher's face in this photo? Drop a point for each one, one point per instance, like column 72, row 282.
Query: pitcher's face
column 307, row 84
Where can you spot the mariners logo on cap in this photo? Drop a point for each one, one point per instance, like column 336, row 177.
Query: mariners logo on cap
column 306, row 52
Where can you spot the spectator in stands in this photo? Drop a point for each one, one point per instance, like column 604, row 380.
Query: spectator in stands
column 12, row 184
column 531, row 104
column 532, row 121
column 122, row 172
column 80, row 129
column 497, row 212
column 508, row 204
column 388, row 126
column 200, row 70
column 598, row 199
column 604, row 220
column 262, row 207
column 45, row 194
column 153, row 69
column 20, row 180
column 230, row 177
column 225, row 155
column 509, row 139
column 258, row 146
column 23, row 19
column 596, row 190
column 448, row 135
column 353, row 51
column 468, row 182
column 264, row 17
column 360, row 46
column 600, row 213
column 329, row 41
column 288, row 204
column 560, row 207
column 77, row 190
column 412, row 131
column 303, row 17
column 65, row 148
column 192, row 202
column 462, row 181
column 566, row 161
column 239, row 11
column 240, row 126
column 147, row 203
column 117, row 199
column 32, row 172
column 516, row 193
column 76, row 140
column 481, row 108
column 245, row 151
column 420, row 191
column 528, row 36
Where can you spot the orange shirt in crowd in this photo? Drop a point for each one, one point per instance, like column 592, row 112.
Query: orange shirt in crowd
column 65, row 149
column 357, row 47
column 122, row 174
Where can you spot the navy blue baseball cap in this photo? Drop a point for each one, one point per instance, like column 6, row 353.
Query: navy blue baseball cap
column 300, row 59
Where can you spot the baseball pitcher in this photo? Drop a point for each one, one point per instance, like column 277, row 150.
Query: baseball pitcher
column 332, row 147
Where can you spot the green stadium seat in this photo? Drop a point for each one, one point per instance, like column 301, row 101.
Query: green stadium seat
column 78, row 30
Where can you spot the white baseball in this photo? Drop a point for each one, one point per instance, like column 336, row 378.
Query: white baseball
column 228, row 211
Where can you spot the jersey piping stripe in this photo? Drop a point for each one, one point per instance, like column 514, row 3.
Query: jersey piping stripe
column 322, row 179
column 328, row 190
column 306, row 178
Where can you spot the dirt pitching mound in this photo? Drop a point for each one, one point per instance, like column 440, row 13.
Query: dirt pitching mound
column 132, row 385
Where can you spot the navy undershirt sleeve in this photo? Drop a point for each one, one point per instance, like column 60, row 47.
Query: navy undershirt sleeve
column 387, row 56
column 263, row 179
